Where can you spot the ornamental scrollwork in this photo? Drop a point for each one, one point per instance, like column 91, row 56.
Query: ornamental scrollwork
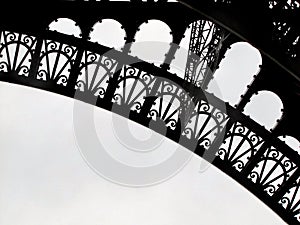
column 170, row 104
column 205, row 124
column 56, row 62
column 133, row 86
column 273, row 169
column 291, row 200
column 16, row 52
column 95, row 72
column 239, row 146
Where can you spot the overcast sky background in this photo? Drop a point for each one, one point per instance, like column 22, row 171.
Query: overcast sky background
column 45, row 180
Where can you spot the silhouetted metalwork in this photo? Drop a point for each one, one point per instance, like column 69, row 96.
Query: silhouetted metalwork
column 204, row 48
column 33, row 56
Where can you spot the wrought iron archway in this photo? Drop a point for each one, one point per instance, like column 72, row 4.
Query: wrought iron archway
column 26, row 46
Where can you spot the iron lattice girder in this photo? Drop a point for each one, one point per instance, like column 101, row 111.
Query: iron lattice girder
column 204, row 49
column 257, row 23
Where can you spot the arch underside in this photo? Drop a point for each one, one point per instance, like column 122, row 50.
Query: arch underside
column 197, row 120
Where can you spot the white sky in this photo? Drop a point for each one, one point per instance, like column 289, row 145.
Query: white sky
column 44, row 179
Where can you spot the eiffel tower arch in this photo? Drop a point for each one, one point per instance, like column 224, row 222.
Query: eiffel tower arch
column 34, row 55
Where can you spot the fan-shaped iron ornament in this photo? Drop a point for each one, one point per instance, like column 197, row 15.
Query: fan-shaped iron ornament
column 34, row 56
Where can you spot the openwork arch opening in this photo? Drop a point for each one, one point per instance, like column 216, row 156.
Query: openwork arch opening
column 108, row 32
column 65, row 26
column 236, row 71
column 292, row 142
column 266, row 108
column 152, row 42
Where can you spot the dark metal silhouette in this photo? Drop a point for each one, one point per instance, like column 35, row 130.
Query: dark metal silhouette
column 268, row 167
column 204, row 48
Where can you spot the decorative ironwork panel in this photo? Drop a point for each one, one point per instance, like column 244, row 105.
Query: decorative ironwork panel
column 291, row 200
column 56, row 61
column 95, row 72
column 169, row 103
column 273, row 169
column 239, row 146
column 16, row 52
column 205, row 124
column 133, row 86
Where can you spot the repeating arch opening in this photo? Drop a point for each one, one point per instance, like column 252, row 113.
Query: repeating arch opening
column 65, row 26
column 152, row 42
column 178, row 65
column 242, row 61
column 108, row 32
column 266, row 108
column 292, row 142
